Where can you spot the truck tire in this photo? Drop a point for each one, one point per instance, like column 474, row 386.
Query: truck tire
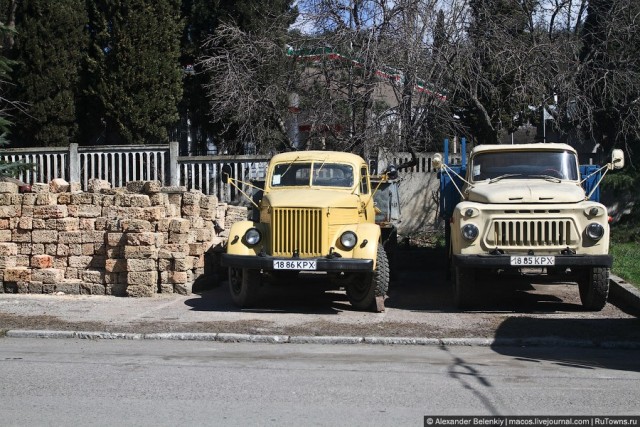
column 594, row 288
column 463, row 287
column 363, row 291
column 243, row 286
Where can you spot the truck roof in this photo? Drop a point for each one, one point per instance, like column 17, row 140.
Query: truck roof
column 317, row 155
column 537, row 146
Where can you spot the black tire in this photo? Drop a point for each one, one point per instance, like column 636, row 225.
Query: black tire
column 243, row 286
column 363, row 291
column 594, row 288
column 463, row 287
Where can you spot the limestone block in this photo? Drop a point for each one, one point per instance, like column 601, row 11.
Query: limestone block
column 196, row 249
column 50, row 249
column 37, row 249
column 85, row 211
column 96, row 185
column 99, row 249
column 93, row 276
column 135, row 186
column 64, row 199
column 48, row 288
column 26, row 211
column 44, row 236
column 116, row 289
column 25, row 223
column 133, row 265
column 144, row 239
column 175, row 199
column 140, row 252
column 149, row 278
column 88, row 224
column 202, row 234
column 183, row 264
column 58, row 185
column 28, row 199
column 221, row 210
column 8, row 261
column 10, row 211
column 155, row 213
column 183, row 288
column 208, row 202
column 166, row 288
column 165, row 265
column 190, row 210
column 22, row 260
column 191, row 198
column 82, row 199
column 108, row 200
column 115, row 252
column 37, row 223
column 48, row 275
column 75, row 187
column 133, row 200
column 159, row 199
column 44, row 199
column 115, row 212
column 136, row 225
column 8, row 249
column 69, row 286
column 21, row 236
column 89, row 249
column 8, row 187
column 196, row 222
column 116, row 265
column 92, row 289
column 115, row 239
column 152, row 187
column 39, row 188
column 48, row 212
column 70, row 237
column 67, row 224
column 24, row 248
column 35, row 287
column 172, row 210
column 179, row 225
column 5, row 235
column 75, row 249
column 179, row 238
column 101, row 224
column 42, row 261
column 79, row 261
column 5, row 199
column 17, row 274
column 72, row 273
column 139, row 291
column 173, row 251
column 114, row 225
column 93, row 236
column 62, row 250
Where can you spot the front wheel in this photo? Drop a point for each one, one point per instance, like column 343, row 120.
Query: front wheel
column 594, row 288
column 463, row 287
column 362, row 291
column 243, row 286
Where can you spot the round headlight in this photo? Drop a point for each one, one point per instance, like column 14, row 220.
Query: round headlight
column 470, row 232
column 252, row 236
column 595, row 231
column 348, row 239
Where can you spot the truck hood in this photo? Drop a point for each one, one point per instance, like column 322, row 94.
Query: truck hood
column 311, row 199
column 526, row 191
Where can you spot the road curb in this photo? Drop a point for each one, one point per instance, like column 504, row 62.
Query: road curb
column 624, row 293
column 285, row 339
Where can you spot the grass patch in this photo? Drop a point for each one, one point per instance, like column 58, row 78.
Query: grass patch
column 626, row 261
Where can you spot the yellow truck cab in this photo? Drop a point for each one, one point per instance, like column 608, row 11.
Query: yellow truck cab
column 316, row 215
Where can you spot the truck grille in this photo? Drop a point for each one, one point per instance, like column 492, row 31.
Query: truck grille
column 512, row 233
column 296, row 229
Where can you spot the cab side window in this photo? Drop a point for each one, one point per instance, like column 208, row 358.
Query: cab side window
column 364, row 181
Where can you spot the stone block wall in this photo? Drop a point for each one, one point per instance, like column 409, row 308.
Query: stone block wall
column 134, row 241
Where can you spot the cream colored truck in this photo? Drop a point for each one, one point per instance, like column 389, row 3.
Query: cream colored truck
column 523, row 208
column 316, row 214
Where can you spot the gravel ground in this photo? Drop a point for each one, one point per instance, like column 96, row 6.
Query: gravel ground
column 419, row 305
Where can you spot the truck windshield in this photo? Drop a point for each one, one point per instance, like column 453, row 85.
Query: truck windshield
column 524, row 165
column 317, row 174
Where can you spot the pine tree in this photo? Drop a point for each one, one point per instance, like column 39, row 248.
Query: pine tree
column 49, row 42
column 134, row 79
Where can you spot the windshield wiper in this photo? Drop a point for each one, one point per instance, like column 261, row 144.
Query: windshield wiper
column 506, row 175
column 549, row 178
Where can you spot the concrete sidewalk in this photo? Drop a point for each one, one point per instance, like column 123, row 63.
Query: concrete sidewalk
column 417, row 313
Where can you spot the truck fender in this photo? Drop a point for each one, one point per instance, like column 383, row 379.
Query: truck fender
column 370, row 233
column 237, row 245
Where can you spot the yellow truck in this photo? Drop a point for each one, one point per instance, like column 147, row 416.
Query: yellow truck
column 316, row 214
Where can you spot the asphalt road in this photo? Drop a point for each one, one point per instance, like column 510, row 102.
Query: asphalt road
column 82, row 382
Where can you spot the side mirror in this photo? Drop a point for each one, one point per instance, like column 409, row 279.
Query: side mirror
column 436, row 161
column 617, row 159
column 391, row 171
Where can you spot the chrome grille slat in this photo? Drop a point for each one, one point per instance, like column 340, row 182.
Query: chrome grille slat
column 296, row 229
column 519, row 233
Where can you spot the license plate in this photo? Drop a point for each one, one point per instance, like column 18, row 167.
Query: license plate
column 532, row 261
column 294, row 265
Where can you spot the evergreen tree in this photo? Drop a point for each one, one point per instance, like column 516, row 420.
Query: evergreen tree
column 49, row 43
column 134, row 81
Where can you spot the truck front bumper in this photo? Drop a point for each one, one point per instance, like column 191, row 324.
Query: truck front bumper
column 266, row 263
column 504, row 261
